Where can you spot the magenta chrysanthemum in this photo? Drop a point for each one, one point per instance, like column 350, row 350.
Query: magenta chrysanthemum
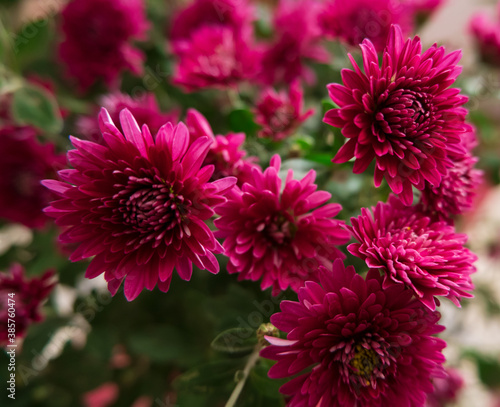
column 214, row 58
column 356, row 20
column 360, row 344
column 280, row 114
column 279, row 236
column 213, row 43
column 27, row 299
column 144, row 108
column 139, row 205
column 403, row 114
column 412, row 250
column 487, row 36
column 25, row 162
column 284, row 59
column 446, row 389
column 456, row 192
column 226, row 153
column 98, row 36
column 238, row 15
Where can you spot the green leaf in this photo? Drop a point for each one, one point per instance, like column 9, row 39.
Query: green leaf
column 33, row 105
column 320, row 158
column 488, row 369
column 235, row 340
column 242, row 120
column 32, row 40
column 305, row 143
column 327, row 104
column 261, row 381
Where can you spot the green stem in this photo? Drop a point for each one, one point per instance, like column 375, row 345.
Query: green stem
column 252, row 360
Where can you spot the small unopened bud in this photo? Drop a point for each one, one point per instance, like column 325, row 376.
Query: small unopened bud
column 267, row 329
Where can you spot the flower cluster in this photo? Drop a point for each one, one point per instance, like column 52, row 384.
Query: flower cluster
column 28, row 295
column 147, row 196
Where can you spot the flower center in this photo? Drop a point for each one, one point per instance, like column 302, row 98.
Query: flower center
column 282, row 118
column 364, row 363
column 405, row 113
column 279, row 230
column 151, row 207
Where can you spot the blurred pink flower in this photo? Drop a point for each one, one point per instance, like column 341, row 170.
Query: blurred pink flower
column 213, row 42
column 237, row 15
column 103, row 396
column 97, row 39
column 214, row 57
column 283, row 60
column 355, row 343
column 412, row 250
column 279, row 236
column 29, row 294
column 144, row 108
column 356, row 20
column 446, row 389
column 403, row 115
column 138, row 205
column 280, row 114
column 25, row 162
column 455, row 194
column 486, row 33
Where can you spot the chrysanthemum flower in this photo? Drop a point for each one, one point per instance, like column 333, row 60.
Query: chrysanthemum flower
column 456, row 192
column 237, row 15
column 403, row 114
column 144, row 108
column 487, row 36
column 28, row 297
column 427, row 257
column 138, row 204
column 226, row 152
column 284, row 59
column 25, row 162
column 446, row 389
column 455, row 195
column 279, row 236
column 213, row 41
column 355, row 20
column 280, row 114
column 354, row 343
column 98, row 36
column 214, row 57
